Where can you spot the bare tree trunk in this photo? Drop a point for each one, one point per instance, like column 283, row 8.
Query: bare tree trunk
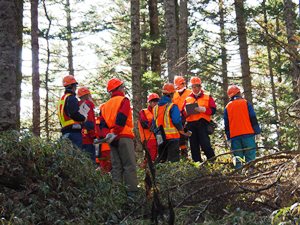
column 290, row 23
column 242, row 36
column 69, row 37
column 36, row 108
column 154, row 35
column 171, row 38
column 11, row 26
column 47, row 73
column 223, row 53
column 270, row 65
column 144, row 50
column 183, row 38
column 136, row 56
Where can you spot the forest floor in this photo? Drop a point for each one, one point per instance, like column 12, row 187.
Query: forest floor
column 53, row 183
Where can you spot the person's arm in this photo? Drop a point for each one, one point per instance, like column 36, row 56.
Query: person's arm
column 212, row 107
column 122, row 116
column 253, row 119
column 176, row 117
column 226, row 124
column 143, row 120
column 72, row 109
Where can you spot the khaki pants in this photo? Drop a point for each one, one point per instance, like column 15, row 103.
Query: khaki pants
column 124, row 163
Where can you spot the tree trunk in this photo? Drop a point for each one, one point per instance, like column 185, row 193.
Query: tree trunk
column 290, row 23
column 242, row 36
column 11, row 26
column 270, row 65
column 223, row 53
column 154, row 35
column 47, row 73
column 36, row 108
column 69, row 37
column 171, row 38
column 183, row 37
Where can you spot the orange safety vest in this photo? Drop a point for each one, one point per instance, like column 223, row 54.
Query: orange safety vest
column 146, row 134
column 238, row 118
column 63, row 118
column 109, row 112
column 162, row 117
column 179, row 99
column 202, row 101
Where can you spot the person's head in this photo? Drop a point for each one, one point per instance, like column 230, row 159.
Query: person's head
column 179, row 83
column 168, row 89
column 195, row 83
column 153, row 99
column 233, row 90
column 83, row 93
column 70, row 83
column 115, row 84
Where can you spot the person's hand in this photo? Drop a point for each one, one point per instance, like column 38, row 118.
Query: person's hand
column 200, row 109
column 110, row 137
column 187, row 133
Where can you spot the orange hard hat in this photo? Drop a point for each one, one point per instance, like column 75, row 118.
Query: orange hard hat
column 152, row 96
column 68, row 80
column 113, row 83
column 178, row 80
column 233, row 90
column 195, row 80
column 168, row 88
column 83, row 91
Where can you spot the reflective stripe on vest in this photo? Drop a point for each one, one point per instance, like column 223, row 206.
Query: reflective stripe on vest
column 63, row 118
column 162, row 117
column 202, row 101
column 109, row 112
column 179, row 99
column 146, row 134
column 238, row 118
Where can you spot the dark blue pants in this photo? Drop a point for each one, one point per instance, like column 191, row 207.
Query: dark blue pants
column 75, row 138
column 90, row 150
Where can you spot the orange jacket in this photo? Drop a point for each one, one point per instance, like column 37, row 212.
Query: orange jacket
column 109, row 113
column 145, row 133
column 239, row 118
column 202, row 101
column 179, row 99
column 161, row 115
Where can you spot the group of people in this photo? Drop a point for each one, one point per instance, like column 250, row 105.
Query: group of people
column 165, row 126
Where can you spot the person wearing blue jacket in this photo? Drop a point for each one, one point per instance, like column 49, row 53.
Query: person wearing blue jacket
column 166, row 115
column 241, row 126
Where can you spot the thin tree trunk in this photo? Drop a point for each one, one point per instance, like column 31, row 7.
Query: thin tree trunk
column 223, row 53
column 242, row 36
column 47, row 73
column 183, row 38
column 171, row 38
column 69, row 37
column 144, row 50
column 36, row 109
column 11, row 26
column 154, row 35
column 270, row 65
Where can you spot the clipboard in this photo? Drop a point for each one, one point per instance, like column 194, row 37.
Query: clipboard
column 190, row 108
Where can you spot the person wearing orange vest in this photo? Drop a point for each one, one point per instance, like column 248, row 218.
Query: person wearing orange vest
column 144, row 125
column 88, row 128
column 117, row 117
column 69, row 114
column 241, row 126
column 166, row 117
column 103, row 159
column 179, row 97
column 198, row 120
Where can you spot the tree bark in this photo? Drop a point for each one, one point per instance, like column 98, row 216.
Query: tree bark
column 242, row 36
column 183, row 38
column 171, row 38
column 11, row 26
column 69, row 37
column 224, row 56
column 36, row 108
column 154, row 35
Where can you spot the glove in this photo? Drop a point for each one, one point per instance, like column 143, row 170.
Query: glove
column 200, row 109
column 187, row 133
column 110, row 137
